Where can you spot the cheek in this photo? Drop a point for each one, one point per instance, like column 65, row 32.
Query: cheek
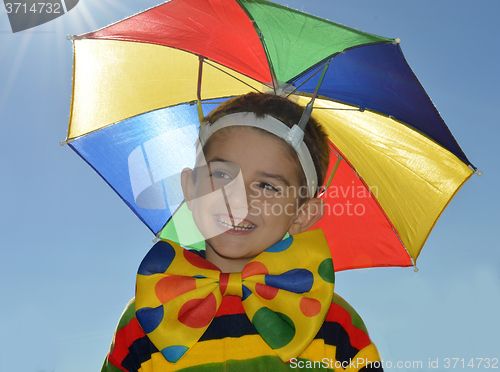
column 203, row 187
column 204, row 203
column 279, row 209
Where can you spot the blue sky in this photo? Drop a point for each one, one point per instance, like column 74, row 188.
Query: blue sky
column 70, row 248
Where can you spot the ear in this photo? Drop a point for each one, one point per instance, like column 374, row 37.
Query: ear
column 188, row 186
column 309, row 213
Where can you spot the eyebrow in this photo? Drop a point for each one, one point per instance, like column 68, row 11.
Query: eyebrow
column 217, row 159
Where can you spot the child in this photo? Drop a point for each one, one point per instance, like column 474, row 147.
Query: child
column 252, row 300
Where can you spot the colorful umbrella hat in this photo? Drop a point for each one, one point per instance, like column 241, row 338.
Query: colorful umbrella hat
column 141, row 85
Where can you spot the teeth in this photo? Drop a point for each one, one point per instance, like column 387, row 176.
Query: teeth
column 227, row 222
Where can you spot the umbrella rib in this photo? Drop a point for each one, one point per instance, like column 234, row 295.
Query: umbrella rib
column 227, row 73
column 269, row 61
column 308, row 110
column 198, row 89
column 339, row 159
column 336, row 109
column 305, row 81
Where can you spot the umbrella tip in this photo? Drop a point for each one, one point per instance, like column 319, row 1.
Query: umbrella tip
column 62, row 143
column 415, row 268
column 70, row 37
column 157, row 236
column 397, row 40
column 476, row 171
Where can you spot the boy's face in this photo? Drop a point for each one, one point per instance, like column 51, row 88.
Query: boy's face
column 244, row 162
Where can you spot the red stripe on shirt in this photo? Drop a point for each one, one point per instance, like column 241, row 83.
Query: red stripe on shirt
column 358, row 338
column 124, row 338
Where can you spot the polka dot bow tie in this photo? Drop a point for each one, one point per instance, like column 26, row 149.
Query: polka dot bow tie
column 286, row 292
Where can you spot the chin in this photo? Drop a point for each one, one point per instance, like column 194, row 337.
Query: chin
column 230, row 250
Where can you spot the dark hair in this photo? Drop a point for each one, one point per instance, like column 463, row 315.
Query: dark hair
column 289, row 113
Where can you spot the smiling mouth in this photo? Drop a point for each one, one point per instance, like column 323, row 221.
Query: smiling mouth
column 226, row 221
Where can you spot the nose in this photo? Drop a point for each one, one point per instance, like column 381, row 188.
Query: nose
column 236, row 197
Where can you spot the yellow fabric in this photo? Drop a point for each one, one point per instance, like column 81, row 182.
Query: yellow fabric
column 203, row 353
column 234, row 285
column 366, row 355
column 182, row 300
column 316, row 352
column 129, row 79
column 416, row 176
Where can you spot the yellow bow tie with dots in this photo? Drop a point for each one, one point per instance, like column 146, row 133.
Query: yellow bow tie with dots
column 286, row 292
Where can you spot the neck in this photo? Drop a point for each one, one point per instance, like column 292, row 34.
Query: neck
column 225, row 264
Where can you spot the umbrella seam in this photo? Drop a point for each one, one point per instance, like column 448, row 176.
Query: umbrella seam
column 463, row 160
column 440, row 213
column 332, row 56
column 374, row 198
column 274, row 81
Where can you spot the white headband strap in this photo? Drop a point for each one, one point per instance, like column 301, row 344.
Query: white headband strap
column 294, row 136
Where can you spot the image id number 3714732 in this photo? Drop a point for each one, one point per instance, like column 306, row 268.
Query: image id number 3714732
column 470, row 363
column 33, row 8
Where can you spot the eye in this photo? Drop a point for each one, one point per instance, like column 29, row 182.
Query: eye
column 220, row 175
column 267, row 186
